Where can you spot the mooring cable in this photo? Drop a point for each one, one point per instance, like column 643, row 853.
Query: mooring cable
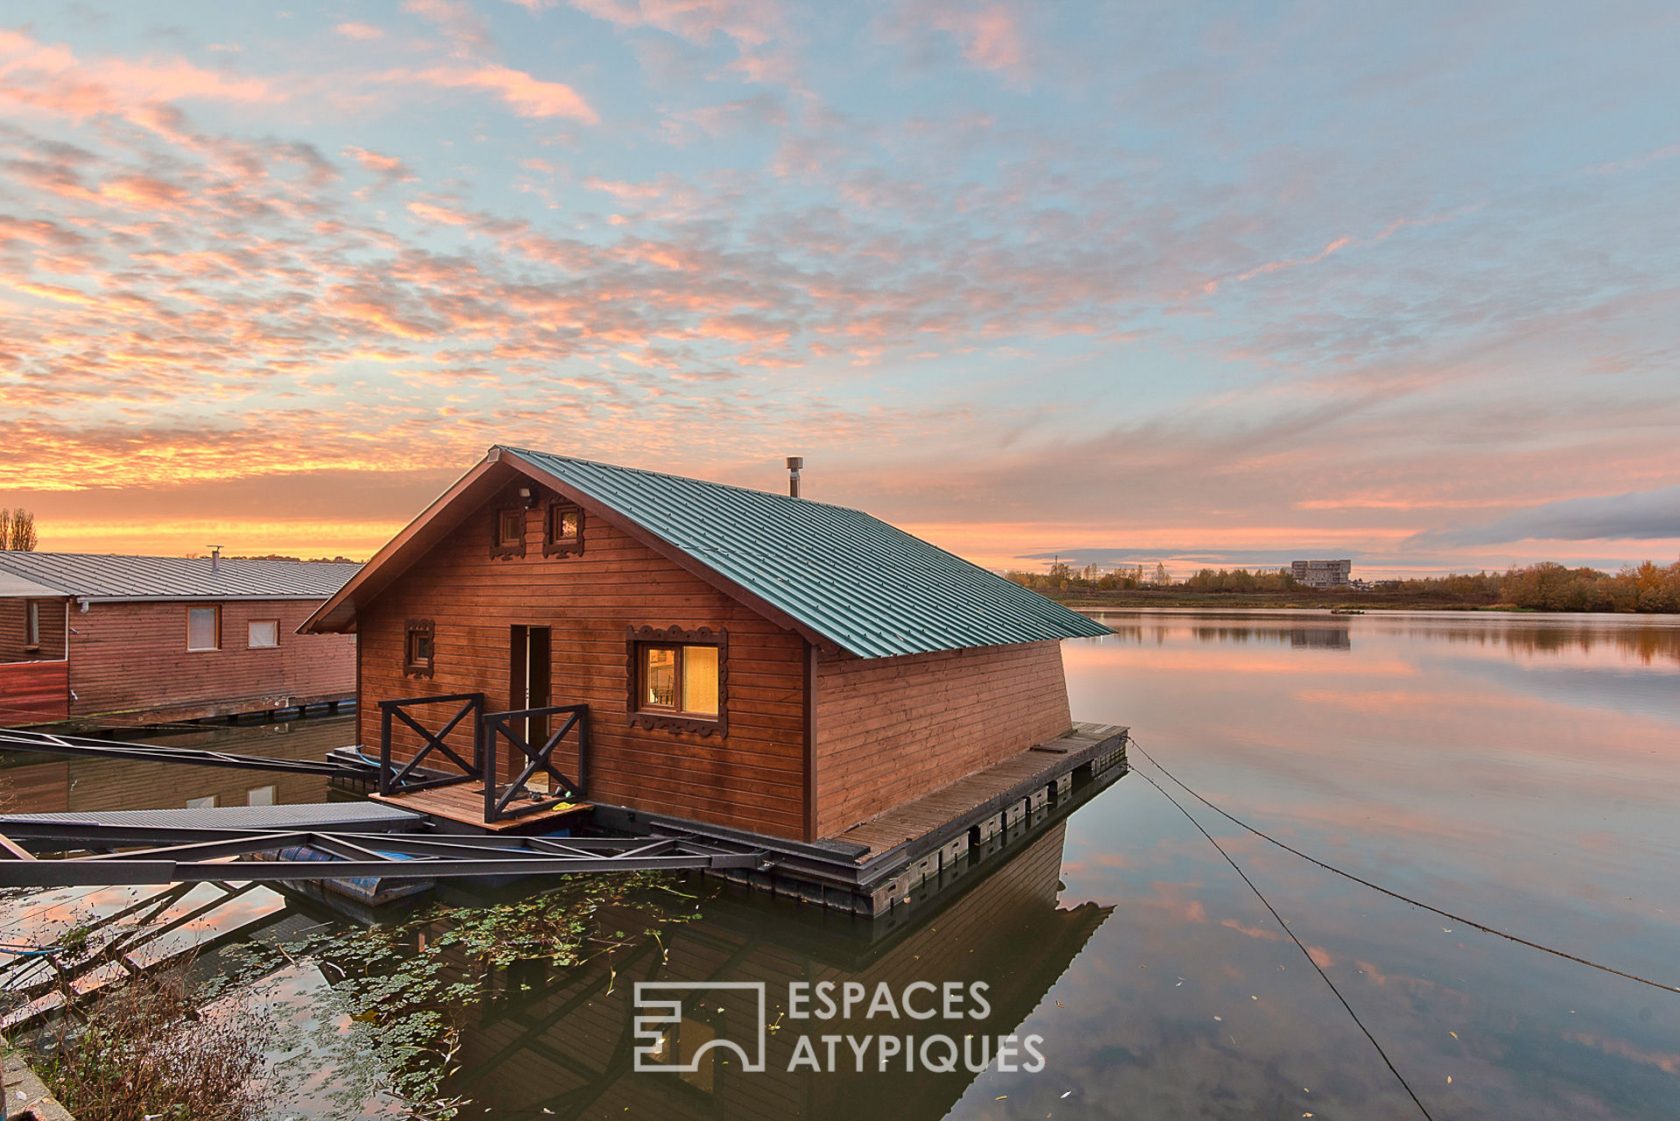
column 1258, row 894
column 1346, row 875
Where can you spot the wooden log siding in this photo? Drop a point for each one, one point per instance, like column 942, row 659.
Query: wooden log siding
column 14, row 630
column 751, row 778
column 133, row 658
column 893, row 729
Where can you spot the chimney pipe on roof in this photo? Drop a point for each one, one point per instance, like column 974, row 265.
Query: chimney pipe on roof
column 794, row 463
column 215, row 559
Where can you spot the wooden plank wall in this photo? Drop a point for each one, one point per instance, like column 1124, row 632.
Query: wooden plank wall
column 133, row 657
column 893, row 729
column 751, row 779
column 14, row 630
column 34, row 692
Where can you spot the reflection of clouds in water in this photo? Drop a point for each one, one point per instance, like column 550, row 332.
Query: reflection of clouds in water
column 1593, row 638
column 1188, row 943
column 1510, row 784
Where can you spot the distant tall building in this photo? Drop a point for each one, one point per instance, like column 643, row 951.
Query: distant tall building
column 1322, row 573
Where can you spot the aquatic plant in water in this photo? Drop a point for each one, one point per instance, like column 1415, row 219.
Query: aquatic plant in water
column 396, row 999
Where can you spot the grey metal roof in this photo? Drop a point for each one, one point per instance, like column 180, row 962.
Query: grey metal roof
column 13, row 586
column 871, row 588
column 98, row 576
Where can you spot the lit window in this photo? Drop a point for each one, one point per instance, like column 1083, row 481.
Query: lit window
column 564, row 533
column 262, row 634
column 659, row 677
column 418, row 648
column 509, row 537
column 678, row 678
column 204, row 628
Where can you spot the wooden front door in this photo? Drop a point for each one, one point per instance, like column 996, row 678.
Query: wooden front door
column 530, row 673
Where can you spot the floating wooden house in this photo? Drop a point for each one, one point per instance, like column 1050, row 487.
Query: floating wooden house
column 689, row 654
column 125, row 640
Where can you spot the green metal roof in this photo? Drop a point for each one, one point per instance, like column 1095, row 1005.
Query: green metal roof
column 869, row 587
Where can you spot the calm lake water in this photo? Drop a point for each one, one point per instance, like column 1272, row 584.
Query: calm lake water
column 1521, row 770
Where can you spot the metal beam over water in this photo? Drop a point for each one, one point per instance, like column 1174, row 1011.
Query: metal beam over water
column 384, row 855
column 51, row 743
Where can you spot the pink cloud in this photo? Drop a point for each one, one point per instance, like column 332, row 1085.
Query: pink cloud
column 528, row 96
column 748, row 22
column 992, row 40
column 989, row 36
column 386, row 167
column 53, row 78
column 364, row 32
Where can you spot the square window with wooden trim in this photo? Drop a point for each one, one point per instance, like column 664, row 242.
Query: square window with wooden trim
column 204, row 628
column 418, row 648
column 563, row 532
column 262, row 634
column 677, row 679
column 508, row 539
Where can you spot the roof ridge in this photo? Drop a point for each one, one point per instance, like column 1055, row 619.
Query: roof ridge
column 684, row 478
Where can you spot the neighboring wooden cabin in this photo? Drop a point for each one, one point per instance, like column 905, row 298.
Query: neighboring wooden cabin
column 748, row 659
column 125, row 640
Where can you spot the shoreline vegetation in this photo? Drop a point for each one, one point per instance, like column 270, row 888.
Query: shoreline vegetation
column 1648, row 589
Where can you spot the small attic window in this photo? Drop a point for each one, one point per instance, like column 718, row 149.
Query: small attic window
column 564, row 533
column 508, row 536
column 418, row 649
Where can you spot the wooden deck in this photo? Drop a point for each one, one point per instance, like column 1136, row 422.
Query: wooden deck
column 954, row 808
column 463, row 803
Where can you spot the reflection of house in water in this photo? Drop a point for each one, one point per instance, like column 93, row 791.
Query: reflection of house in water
column 1321, row 638
column 37, row 784
column 563, row 1046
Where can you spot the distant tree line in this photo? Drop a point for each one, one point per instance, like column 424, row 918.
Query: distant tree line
column 1242, row 580
column 17, row 530
column 301, row 560
column 1649, row 588
column 1063, row 577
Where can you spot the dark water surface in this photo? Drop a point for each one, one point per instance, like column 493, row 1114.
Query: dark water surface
column 1521, row 770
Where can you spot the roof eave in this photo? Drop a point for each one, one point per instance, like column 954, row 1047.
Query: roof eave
column 338, row 614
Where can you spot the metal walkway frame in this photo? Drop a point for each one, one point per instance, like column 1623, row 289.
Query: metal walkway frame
column 51, row 743
column 385, row 855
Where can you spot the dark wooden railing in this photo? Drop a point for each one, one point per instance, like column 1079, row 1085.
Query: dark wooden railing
column 411, row 776
column 516, row 729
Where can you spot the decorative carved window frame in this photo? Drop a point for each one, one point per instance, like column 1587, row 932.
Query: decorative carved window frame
column 414, row 667
column 635, row 639
column 565, row 546
column 497, row 547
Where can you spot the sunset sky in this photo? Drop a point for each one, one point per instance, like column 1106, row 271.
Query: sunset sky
column 1114, row 281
